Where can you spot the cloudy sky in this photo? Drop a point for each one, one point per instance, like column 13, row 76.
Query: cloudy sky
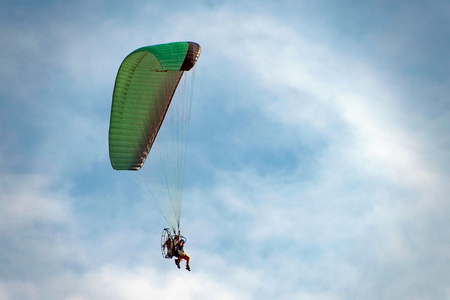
column 318, row 161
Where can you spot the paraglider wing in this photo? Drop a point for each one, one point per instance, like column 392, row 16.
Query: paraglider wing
column 144, row 87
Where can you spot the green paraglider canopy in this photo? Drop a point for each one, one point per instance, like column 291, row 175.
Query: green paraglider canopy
column 144, row 87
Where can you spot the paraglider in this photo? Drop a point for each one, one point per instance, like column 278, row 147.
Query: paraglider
column 149, row 124
column 172, row 246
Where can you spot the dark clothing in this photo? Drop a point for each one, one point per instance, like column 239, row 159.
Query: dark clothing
column 179, row 250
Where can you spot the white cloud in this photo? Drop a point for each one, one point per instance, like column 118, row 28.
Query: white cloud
column 111, row 282
column 314, row 85
column 27, row 199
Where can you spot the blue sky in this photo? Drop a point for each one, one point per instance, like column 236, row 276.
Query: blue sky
column 318, row 162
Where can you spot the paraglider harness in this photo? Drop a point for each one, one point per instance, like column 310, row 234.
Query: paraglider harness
column 170, row 243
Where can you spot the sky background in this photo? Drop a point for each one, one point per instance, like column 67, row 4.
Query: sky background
column 318, row 161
